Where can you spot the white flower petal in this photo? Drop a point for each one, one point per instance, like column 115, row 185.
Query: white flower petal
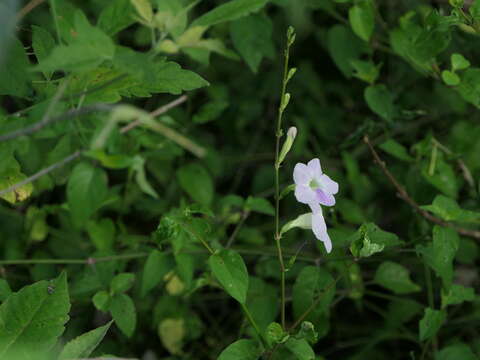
column 328, row 185
column 305, row 194
column 315, row 167
column 301, row 174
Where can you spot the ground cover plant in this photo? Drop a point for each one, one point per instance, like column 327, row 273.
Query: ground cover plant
column 239, row 180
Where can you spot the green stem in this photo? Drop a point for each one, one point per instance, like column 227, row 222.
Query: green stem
column 254, row 324
column 53, row 7
column 73, row 261
column 278, row 135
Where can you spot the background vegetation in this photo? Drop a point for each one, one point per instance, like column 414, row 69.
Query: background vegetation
column 137, row 147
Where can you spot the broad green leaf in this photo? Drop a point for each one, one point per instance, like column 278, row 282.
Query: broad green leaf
column 102, row 233
column 89, row 48
column 300, row 349
column 196, row 182
column 401, row 311
column 229, row 11
column 370, row 239
column 42, row 43
column 362, row 19
column 469, row 87
column 252, row 37
column 101, row 300
column 344, row 47
column 456, row 352
column 5, row 290
column 457, row 294
column 396, row 278
column 144, row 9
column 443, row 177
column 32, row 319
column 242, row 349
column 83, row 345
column 396, row 149
column 450, row 78
column 365, row 70
column 122, row 282
column 170, row 77
column 86, row 191
column 14, row 75
column 156, row 267
column 380, row 100
column 172, row 332
column 448, row 210
column 116, row 16
column 431, row 322
column 303, row 222
column 230, row 270
column 123, row 312
column 313, row 283
column 260, row 205
column 459, row 62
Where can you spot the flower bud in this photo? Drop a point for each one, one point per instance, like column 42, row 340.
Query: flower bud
column 287, row 145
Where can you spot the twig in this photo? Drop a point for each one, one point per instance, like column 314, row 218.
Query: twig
column 29, row 7
column 237, row 229
column 158, row 112
column 87, row 261
column 42, row 172
column 404, row 195
column 48, row 120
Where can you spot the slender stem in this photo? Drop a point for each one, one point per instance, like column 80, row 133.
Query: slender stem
column 431, row 303
column 87, row 261
column 254, row 324
column 53, row 7
column 278, row 135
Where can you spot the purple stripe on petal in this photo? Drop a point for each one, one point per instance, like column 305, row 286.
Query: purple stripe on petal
column 324, row 198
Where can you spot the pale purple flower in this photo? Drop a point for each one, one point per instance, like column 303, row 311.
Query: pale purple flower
column 314, row 188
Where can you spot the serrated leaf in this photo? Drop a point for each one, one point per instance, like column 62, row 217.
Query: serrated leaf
column 123, row 312
column 431, row 322
column 241, row 349
column 32, row 319
column 229, row 11
column 230, row 270
column 116, row 16
column 83, row 345
column 396, row 278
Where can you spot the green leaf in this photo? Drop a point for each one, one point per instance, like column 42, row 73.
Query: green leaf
column 32, row 319
column 344, row 47
column 313, row 283
column 14, row 75
column 303, row 221
column 88, row 49
column 396, row 149
column 229, row 11
column 156, row 267
column 300, row 349
column 83, row 345
column 362, row 19
column 196, row 182
column 101, row 300
column 431, row 322
column 275, row 333
column 370, row 239
column 380, row 101
column 456, row 295
column 86, row 191
column 5, row 290
column 396, row 278
column 252, row 37
column 138, row 166
column 450, row 78
column 260, row 205
column 116, row 16
column 122, row 282
column 456, row 352
column 230, row 270
column 459, row 62
column 42, row 43
column 210, row 111
column 170, row 77
column 102, row 233
column 443, row 177
column 123, row 312
column 172, row 333
column 242, row 349
column 469, row 87
column 144, row 9
column 365, row 70
column 448, row 210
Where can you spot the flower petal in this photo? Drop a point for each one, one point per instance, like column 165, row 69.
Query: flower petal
column 314, row 167
column 305, row 194
column 324, row 198
column 315, row 206
column 301, row 174
column 328, row 185
column 319, row 228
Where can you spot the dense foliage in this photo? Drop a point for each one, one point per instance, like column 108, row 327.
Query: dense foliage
column 147, row 202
